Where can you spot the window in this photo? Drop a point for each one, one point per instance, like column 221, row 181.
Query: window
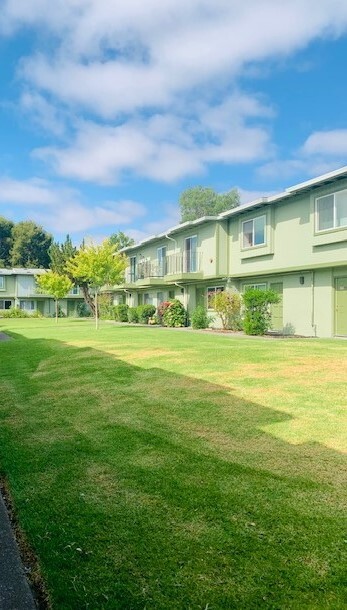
column 331, row 211
column 133, row 268
column 253, row 232
column 5, row 304
column 2, row 282
column 191, row 254
column 147, row 299
column 160, row 297
column 75, row 290
column 161, row 258
column 27, row 305
column 211, row 293
column 254, row 286
column 171, row 294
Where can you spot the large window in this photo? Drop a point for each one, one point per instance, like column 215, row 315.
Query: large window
column 191, row 254
column 254, row 286
column 253, row 232
column 161, row 258
column 27, row 305
column 4, row 304
column 133, row 269
column 2, row 282
column 331, row 211
column 211, row 293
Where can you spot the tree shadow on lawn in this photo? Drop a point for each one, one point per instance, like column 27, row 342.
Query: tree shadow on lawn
column 140, row 488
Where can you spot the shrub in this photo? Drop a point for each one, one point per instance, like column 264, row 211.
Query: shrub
column 15, row 312
column 175, row 314
column 133, row 316
column 36, row 314
column 200, row 318
column 257, row 318
column 121, row 312
column 106, row 308
column 227, row 306
column 145, row 312
column 161, row 309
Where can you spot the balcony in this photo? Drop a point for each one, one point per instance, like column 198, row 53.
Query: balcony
column 184, row 266
column 146, row 273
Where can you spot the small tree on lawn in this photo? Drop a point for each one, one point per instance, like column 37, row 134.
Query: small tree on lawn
column 227, row 306
column 257, row 318
column 97, row 266
column 56, row 285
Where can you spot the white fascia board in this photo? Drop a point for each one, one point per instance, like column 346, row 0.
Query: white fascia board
column 316, row 181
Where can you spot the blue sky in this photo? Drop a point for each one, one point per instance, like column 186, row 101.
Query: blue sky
column 108, row 112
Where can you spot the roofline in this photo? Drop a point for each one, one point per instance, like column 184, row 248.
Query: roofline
column 261, row 201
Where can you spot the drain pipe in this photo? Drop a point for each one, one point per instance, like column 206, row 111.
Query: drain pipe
column 171, row 239
column 313, row 324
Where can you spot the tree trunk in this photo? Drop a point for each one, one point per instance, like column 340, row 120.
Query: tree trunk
column 96, row 311
column 88, row 297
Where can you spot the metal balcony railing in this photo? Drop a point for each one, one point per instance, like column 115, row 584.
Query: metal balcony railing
column 183, row 262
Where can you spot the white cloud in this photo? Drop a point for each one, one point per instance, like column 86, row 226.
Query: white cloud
column 329, row 143
column 60, row 209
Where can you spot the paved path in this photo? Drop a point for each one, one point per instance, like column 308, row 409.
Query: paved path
column 15, row 593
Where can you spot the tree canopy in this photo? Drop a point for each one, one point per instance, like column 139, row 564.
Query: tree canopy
column 95, row 266
column 6, row 227
column 55, row 285
column 201, row 201
column 30, row 245
column 121, row 240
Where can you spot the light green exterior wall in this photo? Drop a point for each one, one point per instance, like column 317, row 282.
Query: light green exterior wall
column 307, row 262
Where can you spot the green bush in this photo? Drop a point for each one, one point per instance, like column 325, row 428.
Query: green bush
column 161, row 309
column 15, row 312
column 200, row 318
column 145, row 312
column 257, row 319
column 121, row 312
column 227, row 306
column 175, row 314
column 133, row 316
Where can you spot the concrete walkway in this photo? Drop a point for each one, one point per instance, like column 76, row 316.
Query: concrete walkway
column 15, row 593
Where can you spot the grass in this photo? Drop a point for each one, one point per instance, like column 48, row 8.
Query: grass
column 170, row 470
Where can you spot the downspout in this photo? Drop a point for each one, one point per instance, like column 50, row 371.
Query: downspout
column 171, row 239
column 314, row 326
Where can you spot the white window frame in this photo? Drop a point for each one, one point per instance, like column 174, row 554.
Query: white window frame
column 247, row 247
column 75, row 290
column 24, row 302
column 2, row 304
column 161, row 260
column 2, row 282
column 335, row 226
column 256, row 286
column 214, row 289
column 132, row 266
column 195, row 265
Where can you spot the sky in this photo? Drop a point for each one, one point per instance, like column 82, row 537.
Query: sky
column 109, row 109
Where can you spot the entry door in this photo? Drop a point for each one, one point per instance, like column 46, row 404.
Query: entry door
column 277, row 308
column 341, row 306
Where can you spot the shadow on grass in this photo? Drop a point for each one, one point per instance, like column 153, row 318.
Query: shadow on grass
column 140, row 488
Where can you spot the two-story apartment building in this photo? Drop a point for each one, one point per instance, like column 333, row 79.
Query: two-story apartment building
column 18, row 289
column 294, row 242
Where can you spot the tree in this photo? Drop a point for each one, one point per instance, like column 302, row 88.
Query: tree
column 6, row 227
column 61, row 253
column 201, row 201
column 30, row 245
column 55, row 285
column 257, row 313
column 121, row 240
column 97, row 266
column 227, row 306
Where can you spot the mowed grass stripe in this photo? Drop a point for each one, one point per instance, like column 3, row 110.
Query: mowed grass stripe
column 163, row 470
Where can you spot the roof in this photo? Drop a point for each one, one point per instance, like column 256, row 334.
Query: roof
column 338, row 174
column 22, row 271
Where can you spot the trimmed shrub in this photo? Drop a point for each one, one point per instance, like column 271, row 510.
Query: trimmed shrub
column 200, row 318
column 175, row 315
column 227, row 306
column 133, row 316
column 83, row 311
column 121, row 312
column 15, row 312
column 145, row 312
column 161, row 309
column 257, row 318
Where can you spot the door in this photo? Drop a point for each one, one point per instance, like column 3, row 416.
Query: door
column 190, row 254
column 341, row 306
column 200, row 297
column 277, row 308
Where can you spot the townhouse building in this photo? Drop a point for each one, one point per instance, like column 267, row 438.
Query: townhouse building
column 18, row 289
column 294, row 242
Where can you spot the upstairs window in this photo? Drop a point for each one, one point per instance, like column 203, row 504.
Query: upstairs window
column 74, row 290
column 331, row 211
column 190, row 251
column 253, row 232
column 161, row 258
column 2, row 282
column 132, row 261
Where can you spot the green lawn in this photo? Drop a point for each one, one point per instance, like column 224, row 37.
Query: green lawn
column 169, row 470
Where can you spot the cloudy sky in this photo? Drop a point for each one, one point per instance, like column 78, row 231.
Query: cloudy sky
column 110, row 109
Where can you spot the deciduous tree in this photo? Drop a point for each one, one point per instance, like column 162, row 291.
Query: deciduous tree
column 30, row 245
column 6, row 227
column 56, row 285
column 201, row 201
